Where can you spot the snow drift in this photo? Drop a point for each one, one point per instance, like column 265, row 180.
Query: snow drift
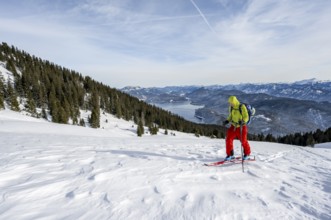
column 53, row 171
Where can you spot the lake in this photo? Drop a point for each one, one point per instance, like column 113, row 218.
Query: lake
column 184, row 109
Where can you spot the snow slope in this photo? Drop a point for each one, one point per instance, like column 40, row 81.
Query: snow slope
column 5, row 75
column 53, row 171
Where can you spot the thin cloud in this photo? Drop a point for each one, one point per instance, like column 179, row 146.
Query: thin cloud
column 166, row 38
column 203, row 16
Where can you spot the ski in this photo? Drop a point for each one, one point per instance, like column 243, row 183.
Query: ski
column 217, row 163
column 223, row 162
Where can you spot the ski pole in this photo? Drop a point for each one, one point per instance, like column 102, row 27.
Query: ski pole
column 242, row 154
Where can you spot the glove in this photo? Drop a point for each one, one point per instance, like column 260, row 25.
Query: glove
column 225, row 122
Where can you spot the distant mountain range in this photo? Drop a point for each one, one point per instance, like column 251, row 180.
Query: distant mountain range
column 311, row 89
column 282, row 108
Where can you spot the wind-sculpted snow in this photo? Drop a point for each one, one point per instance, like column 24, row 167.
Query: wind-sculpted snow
column 53, row 171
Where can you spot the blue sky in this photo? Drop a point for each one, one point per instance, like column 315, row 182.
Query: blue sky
column 176, row 42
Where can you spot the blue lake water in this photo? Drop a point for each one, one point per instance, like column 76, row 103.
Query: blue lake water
column 185, row 110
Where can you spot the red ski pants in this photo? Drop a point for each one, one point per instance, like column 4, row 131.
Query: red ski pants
column 233, row 133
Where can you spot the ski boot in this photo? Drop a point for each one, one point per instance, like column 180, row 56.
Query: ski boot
column 228, row 158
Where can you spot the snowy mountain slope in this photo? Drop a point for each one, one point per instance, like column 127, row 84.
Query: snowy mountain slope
column 5, row 75
column 53, row 171
column 311, row 89
column 301, row 114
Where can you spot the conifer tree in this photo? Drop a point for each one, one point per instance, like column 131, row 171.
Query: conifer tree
column 65, row 111
column 53, row 105
column 118, row 109
column 310, row 140
column 82, row 122
column 11, row 66
column 12, row 98
column 14, row 103
column 30, row 105
column 95, row 116
column 2, row 58
column 43, row 113
column 62, row 115
column 140, row 129
column 2, row 105
column 42, row 102
column 153, row 129
column 55, row 111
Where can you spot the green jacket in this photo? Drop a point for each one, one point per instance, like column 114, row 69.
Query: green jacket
column 234, row 113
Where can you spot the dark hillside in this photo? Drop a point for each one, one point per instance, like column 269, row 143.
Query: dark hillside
column 46, row 89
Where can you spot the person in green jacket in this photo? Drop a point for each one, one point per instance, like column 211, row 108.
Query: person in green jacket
column 238, row 116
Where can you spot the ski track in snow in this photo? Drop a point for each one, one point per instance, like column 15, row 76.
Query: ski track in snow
column 52, row 171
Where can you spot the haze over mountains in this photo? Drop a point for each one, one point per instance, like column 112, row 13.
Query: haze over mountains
column 282, row 108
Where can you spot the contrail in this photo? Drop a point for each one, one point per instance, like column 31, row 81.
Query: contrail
column 203, row 16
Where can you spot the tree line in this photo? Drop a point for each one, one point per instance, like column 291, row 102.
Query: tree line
column 300, row 139
column 60, row 94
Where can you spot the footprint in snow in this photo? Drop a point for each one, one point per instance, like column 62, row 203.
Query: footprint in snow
column 214, row 178
column 70, row 195
column 105, row 198
column 156, row 190
column 185, row 197
column 91, row 177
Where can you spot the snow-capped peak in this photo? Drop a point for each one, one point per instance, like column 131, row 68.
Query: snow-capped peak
column 131, row 88
column 308, row 81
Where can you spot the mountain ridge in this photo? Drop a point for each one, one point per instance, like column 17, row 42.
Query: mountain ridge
column 320, row 90
column 282, row 108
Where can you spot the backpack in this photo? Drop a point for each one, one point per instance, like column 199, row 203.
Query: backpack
column 250, row 111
